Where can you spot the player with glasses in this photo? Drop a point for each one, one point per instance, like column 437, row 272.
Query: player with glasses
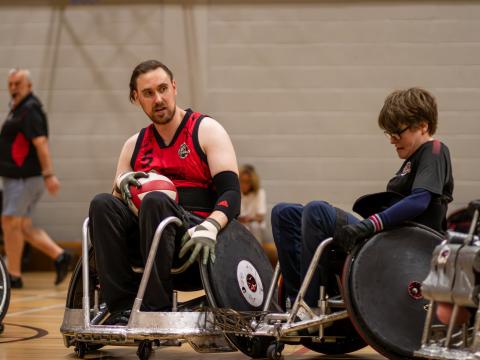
column 422, row 188
column 396, row 135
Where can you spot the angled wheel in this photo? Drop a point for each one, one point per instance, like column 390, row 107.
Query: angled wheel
column 382, row 288
column 239, row 280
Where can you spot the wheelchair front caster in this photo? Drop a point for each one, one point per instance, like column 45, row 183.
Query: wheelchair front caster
column 144, row 350
column 2, row 327
column 274, row 351
column 80, row 350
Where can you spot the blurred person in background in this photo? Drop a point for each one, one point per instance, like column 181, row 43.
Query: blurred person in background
column 254, row 202
column 26, row 169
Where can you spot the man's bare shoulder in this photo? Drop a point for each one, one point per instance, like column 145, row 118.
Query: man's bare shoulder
column 131, row 141
column 209, row 124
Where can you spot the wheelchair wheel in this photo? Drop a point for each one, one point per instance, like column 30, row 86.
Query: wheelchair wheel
column 382, row 288
column 239, row 280
column 75, row 294
column 4, row 289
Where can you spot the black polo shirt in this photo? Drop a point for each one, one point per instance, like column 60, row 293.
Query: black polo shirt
column 429, row 168
column 18, row 156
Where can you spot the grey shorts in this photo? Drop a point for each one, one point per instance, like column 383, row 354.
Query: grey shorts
column 20, row 196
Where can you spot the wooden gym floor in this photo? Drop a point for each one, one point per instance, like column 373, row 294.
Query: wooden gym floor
column 35, row 315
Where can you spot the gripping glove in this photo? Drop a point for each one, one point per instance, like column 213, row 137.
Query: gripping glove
column 350, row 235
column 202, row 238
column 124, row 181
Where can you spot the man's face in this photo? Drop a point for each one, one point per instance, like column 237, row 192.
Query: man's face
column 19, row 87
column 156, row 94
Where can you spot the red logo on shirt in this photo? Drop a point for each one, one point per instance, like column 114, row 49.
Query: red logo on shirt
column 20, row 149
column 223, row 203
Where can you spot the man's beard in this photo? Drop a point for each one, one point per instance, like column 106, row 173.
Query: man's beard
column 165, row 119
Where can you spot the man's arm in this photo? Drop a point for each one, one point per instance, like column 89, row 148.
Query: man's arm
column 222, row 162
column 221, row 157
column 43, row 152
column 123, row 164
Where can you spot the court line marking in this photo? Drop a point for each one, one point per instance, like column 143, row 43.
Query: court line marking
column 37, row 309
column 38, row 296
column 40, row 333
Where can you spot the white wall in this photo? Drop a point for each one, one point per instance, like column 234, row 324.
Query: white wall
column 298, row 85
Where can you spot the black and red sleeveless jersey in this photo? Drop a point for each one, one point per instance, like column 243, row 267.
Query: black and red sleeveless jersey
column 182, row 161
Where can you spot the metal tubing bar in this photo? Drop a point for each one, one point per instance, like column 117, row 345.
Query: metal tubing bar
column 175, row 301
column 451, row 325
column 308, row 277
column 473, row 226
column 151, row 258
column 476, row 332
column 288, row 328
column 428, row 324
column 271, row 289
column 206, row 284
column 85, row 275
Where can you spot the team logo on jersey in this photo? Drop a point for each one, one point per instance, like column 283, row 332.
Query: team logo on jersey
column 406, row 169
column 147, row 158
column 183, row 151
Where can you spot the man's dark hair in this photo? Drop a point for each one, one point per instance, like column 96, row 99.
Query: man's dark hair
column 144, row 68
column 409, row 107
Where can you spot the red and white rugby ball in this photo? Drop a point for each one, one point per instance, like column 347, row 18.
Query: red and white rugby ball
column 154, row 182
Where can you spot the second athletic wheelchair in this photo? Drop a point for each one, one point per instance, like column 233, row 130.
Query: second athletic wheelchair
column 377, row 301
column 4, row 292
column 453, row 289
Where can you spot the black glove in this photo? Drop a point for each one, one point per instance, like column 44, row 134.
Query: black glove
column 124, row 181
column 350, row 235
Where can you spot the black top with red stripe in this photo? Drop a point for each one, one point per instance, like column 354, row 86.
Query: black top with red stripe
column 18, row 156
column 429, row 168
column 182, row 161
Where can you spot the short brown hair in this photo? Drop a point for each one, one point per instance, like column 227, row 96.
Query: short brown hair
column 144, row 68
column 249, row 170
column 408, row 107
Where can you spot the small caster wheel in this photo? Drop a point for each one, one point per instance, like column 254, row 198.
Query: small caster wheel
column 80, row 350
column 2, row 327
column 274, row 351
column 144, row 350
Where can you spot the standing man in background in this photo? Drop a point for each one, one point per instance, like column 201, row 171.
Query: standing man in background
column 26, row 169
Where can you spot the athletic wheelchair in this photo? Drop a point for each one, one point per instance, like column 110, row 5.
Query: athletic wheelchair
column 376, row 301
column 453, row 288
column 237, row 280
column 4, row 292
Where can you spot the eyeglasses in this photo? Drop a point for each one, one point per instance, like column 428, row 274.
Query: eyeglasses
column 395, row 135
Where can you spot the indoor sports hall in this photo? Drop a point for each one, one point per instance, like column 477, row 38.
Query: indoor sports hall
column 297, row 87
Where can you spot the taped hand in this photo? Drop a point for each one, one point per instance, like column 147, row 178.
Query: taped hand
column 202, row 238
column 124, row 181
